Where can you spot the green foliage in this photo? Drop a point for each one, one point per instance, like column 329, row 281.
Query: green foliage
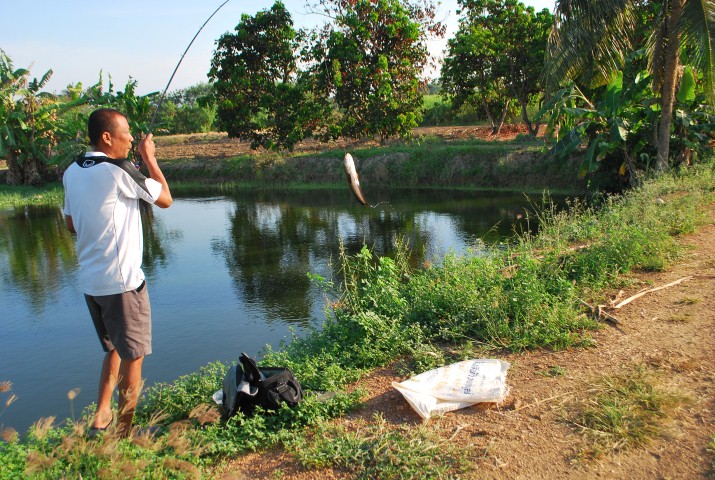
column 378, row 451
column 370, row 61
column 472, row 300
column 591, row 41
column 187, row 110
column 618, row 126
column 496, row 57
column 28, row 123
column 175, row 400
column 262, row 430
column 260, row 95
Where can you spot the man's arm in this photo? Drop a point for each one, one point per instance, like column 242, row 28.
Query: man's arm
column 70, row 224
column 148, row 152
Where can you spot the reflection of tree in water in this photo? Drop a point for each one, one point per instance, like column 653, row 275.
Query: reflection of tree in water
column 273, row 245
column 276, row 238
column 39, row 251
column 157, row 240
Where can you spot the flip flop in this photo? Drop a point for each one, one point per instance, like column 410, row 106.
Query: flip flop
column 95, row 432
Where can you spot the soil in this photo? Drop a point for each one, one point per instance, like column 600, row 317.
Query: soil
column 669, row 332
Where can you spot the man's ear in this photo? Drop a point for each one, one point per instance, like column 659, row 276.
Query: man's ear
column 107, row 138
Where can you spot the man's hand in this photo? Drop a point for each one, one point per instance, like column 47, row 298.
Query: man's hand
column 147, row 149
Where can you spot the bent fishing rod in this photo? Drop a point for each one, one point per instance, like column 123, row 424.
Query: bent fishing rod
column 161, row 99
column 138, row 161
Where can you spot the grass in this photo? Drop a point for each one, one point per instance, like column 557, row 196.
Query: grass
column 624, row 412
column 522, row 296
column 14, row 196
column 516, row 166
column 376, row 450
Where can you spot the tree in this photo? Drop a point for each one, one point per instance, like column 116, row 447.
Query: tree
column 260, row 94
column 471, row 73
column 497, row 55
column 26, row 121
column 590, row 40
column 187, row 110
column 370, row 61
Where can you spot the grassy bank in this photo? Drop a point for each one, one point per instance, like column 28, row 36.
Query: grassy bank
column 525, row 297
column 429, row 163
column 516, row 166
column 12, row 196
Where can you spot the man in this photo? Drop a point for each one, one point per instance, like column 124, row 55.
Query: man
column 102, row 194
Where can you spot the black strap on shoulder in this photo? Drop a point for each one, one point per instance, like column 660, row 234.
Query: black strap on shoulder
column 123, row 163
column 86, row 162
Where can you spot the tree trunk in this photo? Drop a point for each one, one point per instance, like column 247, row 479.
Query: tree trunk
column 670, row 77
column 30, row 172
column 492, row 122
column 497, row 128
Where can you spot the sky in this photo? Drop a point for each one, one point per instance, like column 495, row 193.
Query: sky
column 141, row 39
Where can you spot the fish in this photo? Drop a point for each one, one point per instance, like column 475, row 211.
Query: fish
column 353, row 179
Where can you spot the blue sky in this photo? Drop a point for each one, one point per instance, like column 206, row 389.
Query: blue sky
column 140, row 39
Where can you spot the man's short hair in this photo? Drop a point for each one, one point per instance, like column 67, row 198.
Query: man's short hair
column 100, row 121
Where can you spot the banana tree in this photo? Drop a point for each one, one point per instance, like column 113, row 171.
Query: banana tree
column 615, row 129
column 26, row 116
column 590, row 39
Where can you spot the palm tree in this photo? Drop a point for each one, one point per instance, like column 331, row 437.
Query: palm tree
column 590, row 39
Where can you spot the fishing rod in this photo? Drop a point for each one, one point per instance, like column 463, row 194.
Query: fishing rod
column 161, row 99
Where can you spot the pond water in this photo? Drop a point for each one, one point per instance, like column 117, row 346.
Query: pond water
column 226, row 274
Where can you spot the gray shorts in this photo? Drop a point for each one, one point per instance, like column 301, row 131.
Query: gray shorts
column 123, row 321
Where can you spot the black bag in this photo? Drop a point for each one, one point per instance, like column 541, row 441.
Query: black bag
column 246, row 386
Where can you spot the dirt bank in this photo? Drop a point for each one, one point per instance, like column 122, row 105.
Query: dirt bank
column 670, row 332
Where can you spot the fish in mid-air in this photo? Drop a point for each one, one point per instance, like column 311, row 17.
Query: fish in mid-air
column 353, row 179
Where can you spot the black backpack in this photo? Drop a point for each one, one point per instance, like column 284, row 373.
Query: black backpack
column 246, row 386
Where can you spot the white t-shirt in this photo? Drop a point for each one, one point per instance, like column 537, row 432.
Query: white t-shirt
column 102, row 197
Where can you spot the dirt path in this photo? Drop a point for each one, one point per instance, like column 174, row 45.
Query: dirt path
column 671, row 332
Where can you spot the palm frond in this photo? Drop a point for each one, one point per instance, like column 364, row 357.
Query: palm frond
column 588, row 40
column 697, row 28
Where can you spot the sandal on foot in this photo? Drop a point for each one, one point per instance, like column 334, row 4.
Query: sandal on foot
column 95, row 432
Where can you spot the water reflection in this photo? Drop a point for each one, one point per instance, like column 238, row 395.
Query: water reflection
column 275, row 239
column 38, row 253
column 157, row 240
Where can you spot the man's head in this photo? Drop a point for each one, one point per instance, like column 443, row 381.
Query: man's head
column 109, row 133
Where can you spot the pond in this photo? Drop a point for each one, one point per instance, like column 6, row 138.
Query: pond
column 226, row 274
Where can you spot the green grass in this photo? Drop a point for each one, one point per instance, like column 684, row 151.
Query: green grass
column 376, row 450
column 13, row 196
column 624, row 412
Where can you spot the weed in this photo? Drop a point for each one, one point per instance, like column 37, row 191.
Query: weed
column 688, row 301
column 680, row 318
column 624, row 411
column 377, row 450
column 553, row 371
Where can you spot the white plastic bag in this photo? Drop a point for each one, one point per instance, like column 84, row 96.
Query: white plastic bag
column 455, row 386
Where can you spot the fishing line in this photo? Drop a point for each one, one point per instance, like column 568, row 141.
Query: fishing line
column 161, row 99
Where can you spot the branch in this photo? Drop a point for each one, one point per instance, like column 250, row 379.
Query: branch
column 640, row 294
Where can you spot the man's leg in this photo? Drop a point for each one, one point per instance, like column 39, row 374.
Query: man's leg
column 107, row 383
column 130, row 383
